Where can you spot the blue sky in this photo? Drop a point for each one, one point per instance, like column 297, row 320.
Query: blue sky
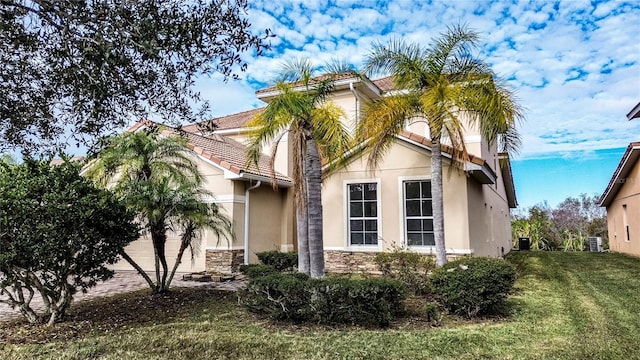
column 575, row 66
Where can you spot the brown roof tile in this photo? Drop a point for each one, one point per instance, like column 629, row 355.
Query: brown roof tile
column 233, row 121
column 223, row 151
column 445, row 148
column 385, row 84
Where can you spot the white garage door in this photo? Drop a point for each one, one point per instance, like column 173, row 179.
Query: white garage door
column 141, row 251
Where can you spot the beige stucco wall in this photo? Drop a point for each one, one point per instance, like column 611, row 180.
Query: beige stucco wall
column 489, row 219
column 629, row 195
column 266, row 212
column 403, row 162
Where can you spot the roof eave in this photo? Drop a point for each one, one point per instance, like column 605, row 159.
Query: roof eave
column 634, row 113
column 482, row 173
column 629, row 159
column 507, row 179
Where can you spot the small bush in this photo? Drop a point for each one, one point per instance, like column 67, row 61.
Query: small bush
column 432, row 313
column 257, row 270
column 473, row 286
column 408, row 267
column 295, row 297
column 281, row 261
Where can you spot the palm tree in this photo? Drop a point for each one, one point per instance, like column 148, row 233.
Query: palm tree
column 444, row 84
column 156, row 177
column 316, row 134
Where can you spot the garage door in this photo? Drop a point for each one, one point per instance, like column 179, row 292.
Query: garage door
column 141, row 251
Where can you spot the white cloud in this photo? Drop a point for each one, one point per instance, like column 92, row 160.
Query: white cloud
column 596, row 45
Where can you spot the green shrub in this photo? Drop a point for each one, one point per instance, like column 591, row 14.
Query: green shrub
column 432, row 313
column 408, row 267
column 257, row 270
column 281, row 261
column 295, row 297
column 473, row 286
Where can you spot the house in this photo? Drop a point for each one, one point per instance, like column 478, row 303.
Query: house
column 622, row 199
column 364, row 212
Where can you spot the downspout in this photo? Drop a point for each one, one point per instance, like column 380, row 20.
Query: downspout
column 358, row 100
column 246, row 220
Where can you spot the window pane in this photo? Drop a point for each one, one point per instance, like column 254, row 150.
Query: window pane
column 371, row 238
column 355, row 192
column 414, row 239
column 370, row 191
column 427, row 225
column 412, row 190
column 427, row 209
column 356, row 209
column 413, row 225
column 426, row 189
column 371, row 225
column 356, row 225
column 357, row 238
column 429, row 240
column 413, row 207
column 370, row 209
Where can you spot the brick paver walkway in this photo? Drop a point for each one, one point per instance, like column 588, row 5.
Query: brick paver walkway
column 124, row 281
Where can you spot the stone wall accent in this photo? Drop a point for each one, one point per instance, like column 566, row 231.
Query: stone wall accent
column 224, row 261
column 337, row 261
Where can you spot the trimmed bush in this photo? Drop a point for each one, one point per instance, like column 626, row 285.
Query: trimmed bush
column 281, row 261
column 473, row 286
column 297, row 298
column 408, row 267
column 257, row 270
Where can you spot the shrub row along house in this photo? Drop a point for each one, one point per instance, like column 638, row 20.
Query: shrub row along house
column 622, row 199
column 364, row 212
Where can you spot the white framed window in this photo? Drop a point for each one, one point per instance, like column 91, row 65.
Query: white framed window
column 363, row 214
column 418, row 213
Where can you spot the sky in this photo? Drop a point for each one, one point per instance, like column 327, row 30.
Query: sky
column 574, row 65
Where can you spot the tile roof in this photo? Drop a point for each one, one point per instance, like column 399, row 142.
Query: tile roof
column 385, row 84
column 225, row 152
column 445, row 148
column 233, row 121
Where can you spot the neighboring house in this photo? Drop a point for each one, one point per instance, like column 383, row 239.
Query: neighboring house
column 364, row 212
column 622, row 199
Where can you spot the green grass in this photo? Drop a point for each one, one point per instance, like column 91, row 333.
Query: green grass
column 564, row 306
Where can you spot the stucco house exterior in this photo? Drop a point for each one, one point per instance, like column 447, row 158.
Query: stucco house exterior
column 622, row 199
column 364, row 212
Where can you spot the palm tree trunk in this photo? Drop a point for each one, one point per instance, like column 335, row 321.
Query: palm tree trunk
column 437, row 201
column 314, row 206
column 138, row 269
column 302, row 225
column 159, row 239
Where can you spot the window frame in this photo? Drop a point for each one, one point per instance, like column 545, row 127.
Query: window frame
column 403, row 216
column 347, row 216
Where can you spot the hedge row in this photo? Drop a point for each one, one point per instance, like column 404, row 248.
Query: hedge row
column 296, row 297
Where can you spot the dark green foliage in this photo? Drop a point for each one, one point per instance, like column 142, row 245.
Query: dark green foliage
column 281, row 261
column 298, row 298
column 408, row 267
column 57, row 233
column 89, row 67
column 257, row 270
column 473, row 286
column 432, row 313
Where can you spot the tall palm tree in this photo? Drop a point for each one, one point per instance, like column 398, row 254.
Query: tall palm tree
column 302, row 110
column 445, row 85
column 156, row 177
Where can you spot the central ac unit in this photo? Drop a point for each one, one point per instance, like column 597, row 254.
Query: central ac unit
column 595, row 243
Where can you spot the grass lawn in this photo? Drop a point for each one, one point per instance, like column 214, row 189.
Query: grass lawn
column 565, row 306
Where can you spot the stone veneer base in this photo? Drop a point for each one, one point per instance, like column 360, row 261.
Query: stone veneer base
column 224, row 261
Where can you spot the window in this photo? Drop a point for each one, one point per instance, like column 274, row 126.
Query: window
column 418, row 213
column 363, row 214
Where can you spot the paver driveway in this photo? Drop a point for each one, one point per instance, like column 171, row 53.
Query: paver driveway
column 124, row 281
